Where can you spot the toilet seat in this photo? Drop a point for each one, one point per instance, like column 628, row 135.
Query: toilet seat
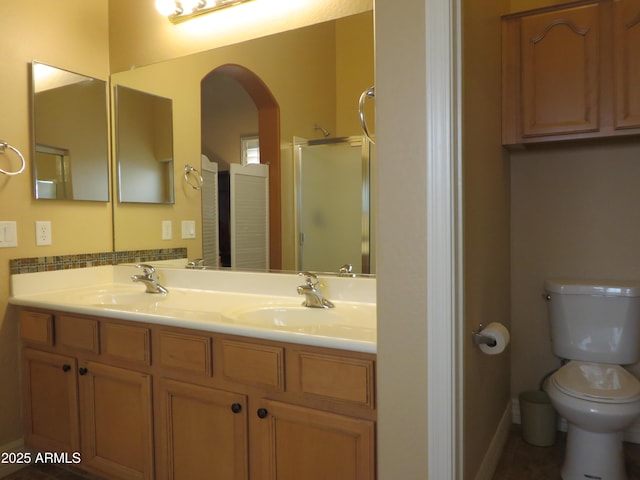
column 597, row 382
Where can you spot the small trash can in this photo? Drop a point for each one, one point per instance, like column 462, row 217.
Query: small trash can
column 538, row 418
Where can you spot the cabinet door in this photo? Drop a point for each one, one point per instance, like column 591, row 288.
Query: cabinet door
column 203, row 433
column 626, row 57
column 302, row 443
column 50, row 401
column 115, row 407
column 560, row 85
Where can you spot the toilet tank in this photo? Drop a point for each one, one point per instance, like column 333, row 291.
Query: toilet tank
column 595, row 322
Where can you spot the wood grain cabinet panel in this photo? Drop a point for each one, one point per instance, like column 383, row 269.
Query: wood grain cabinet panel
column 626, row 57
column 203, row 433
column 571, row 73
column 253, row 364
column 336, row 377
column 302, row 443
column 116, row 421
column 185, row 352
column 125, row 342
column 560, row 85
column 36, row 327
column 50, row 401
column 77, row 333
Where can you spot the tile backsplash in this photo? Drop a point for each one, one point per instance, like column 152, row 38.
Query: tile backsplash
column 83, row 260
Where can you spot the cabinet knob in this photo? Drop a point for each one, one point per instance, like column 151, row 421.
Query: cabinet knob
column 262, row 413
column 82, row 371
column 66, row 367
column 236, row 407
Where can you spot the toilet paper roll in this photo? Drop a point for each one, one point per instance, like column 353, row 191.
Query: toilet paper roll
column 499, row 334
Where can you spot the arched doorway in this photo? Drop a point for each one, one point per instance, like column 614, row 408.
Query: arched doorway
column 267, row 112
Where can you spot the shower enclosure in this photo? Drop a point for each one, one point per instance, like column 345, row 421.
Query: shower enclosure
column 333, row 204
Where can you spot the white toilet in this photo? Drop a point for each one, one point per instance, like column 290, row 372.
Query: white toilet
column 596, row 326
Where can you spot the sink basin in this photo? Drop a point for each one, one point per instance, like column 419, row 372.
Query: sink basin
column 297, row 318
column 111, row 297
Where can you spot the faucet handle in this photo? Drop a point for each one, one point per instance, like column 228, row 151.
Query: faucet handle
column 310, row 277
column 147, row 269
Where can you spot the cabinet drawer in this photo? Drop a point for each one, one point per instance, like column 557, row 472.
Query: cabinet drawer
column 77, row 333
column 125, row 342
column 336, row 377
column 253, row 364
column 36, row 327
column 185, row 352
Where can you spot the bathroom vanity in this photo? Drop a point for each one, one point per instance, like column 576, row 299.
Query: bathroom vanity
column 149, row 391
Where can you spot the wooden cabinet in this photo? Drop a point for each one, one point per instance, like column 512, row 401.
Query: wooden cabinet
column 75, row 403
column 50, row 407
column 116, row 421
column 143, row 402
column 572, row 73
column 299, row 442
column 203, row 433
column 626, row 58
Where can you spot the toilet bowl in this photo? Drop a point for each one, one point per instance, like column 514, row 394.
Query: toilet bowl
column 595, row 327
column 599, row 401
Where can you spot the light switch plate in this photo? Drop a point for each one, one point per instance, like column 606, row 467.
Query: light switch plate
column 188, row 229
column 167, row 230
column 8, row 234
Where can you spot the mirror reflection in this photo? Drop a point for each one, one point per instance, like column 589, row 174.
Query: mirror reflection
column 312, row 77
column 70, row 137
column 144, row 146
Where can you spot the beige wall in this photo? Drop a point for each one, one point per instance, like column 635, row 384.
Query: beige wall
column 140, row 35
column 486, row 227
column 81, row 45
column 574, row 215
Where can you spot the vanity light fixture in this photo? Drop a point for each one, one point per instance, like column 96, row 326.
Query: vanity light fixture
column 181, row 10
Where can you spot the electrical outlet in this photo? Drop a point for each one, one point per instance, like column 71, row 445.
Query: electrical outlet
column 43, row 233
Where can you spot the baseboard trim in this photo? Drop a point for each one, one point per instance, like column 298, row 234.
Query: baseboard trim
column 13, row 447
column 496, row 447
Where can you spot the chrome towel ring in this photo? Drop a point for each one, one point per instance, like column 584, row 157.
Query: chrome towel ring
column 3, row 146
column 369, row 93
column 193, row 177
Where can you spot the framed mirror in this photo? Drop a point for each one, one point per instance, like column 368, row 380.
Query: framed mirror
column 70, row 135
column 144, row 146
column 315, row 98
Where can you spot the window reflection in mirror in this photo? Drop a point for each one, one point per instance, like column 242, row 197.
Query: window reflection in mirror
column 70, row 136
column 144, row 138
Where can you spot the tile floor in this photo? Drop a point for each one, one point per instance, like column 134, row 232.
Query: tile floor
column 519, row 461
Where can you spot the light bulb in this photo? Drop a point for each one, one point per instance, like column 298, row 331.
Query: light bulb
column 166, row 7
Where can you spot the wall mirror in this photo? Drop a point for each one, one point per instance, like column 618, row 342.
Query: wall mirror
column 315, row 74
column 144, row 146
column 70, row 135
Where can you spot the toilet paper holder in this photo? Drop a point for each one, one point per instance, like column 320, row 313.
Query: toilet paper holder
column 479, row 339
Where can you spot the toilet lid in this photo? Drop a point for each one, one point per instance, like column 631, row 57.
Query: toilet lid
column 597, row 382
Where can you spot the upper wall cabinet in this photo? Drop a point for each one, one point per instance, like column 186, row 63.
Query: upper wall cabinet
column 571, row 73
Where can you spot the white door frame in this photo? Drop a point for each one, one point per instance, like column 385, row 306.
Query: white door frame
column 444, row 238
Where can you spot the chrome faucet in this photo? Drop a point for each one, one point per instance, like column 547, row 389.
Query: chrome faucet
column 197, row 263
column 150, row 278
column 312, row 291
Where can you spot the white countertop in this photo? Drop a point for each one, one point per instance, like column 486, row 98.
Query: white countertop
column 211, row 300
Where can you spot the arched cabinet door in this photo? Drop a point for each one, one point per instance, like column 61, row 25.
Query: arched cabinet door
column 559, row 72
column 626, row 57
